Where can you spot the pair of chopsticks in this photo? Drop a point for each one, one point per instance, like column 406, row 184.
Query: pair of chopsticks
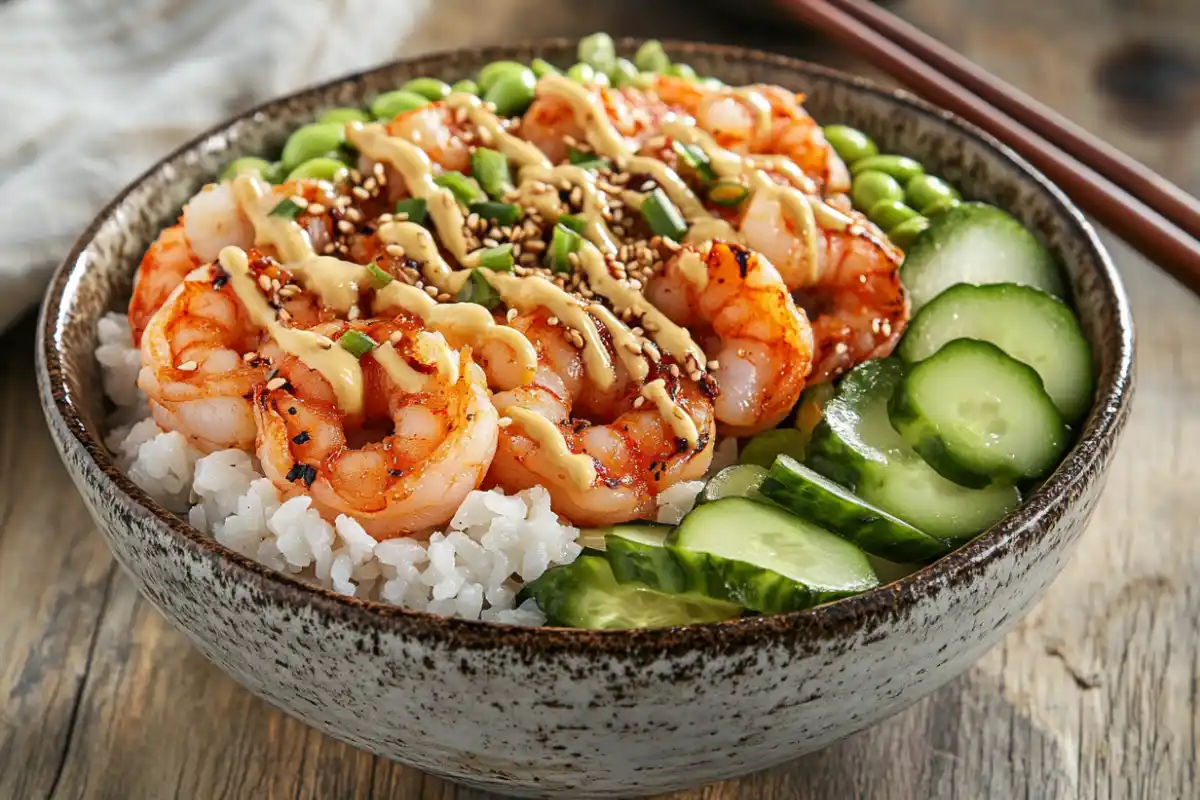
column 1150, row 213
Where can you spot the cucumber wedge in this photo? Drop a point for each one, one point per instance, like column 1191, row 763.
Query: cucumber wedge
column 763, row 448
column 977, row 244
column 977, row 415
column 637, row 554
column 889, row 571
column 591, row 540
column 766, row 559
column 813, row 497
column 741, row 480
column 584, row 594
column 1028, row 324
column 857, row 447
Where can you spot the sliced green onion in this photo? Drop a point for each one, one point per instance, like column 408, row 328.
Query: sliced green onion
column 464, row 189
column 356, row 343
column 573, row 222
column 490, row 168
column 542, row 68
column 379, row 278
column 500, row 213
column 499, row 258
column 728, row 193
column 286, row 208
column 564, row 242
column 588, row 161
column 477, row 290
column 415, row 207
column 697, row 159
column 662, row 216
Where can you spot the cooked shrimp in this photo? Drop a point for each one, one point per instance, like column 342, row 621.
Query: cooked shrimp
column 192, row 366
column 433, row 128
column 550, row 122
column 634, row 457
column 407, row 462
column 856, row 302
column 761, row 341
column 165, row 265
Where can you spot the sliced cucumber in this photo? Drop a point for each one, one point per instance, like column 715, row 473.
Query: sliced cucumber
column 591, row 539
column 813, row 497
column 977, row 415
column 977, row 244
column 856, row 446
column 889, row 571
column 1028, row 324
column 763, row 448
column 766, row 559
column 741, row 480
column 584, row 594
column 637, row 554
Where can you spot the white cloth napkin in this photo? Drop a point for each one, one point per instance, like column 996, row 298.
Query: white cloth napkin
column 95, row 91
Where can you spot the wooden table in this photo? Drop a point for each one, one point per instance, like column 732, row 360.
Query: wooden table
column 1094, row 695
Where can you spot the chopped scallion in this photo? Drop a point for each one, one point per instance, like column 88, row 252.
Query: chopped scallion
column 588, row 161
column 500, row 213
column 286, row 208
column 379, row 278
column 728, row 193
column 464, row 189
column 662, row 216
column 499, row 258
column 697, row 159
column 564, row 242
column 356, row 343
column 490, row 168
column 573, row 222
column 477, row 290
column 415, row 207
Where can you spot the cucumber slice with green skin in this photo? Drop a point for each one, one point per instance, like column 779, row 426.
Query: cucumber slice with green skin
column 764, row 447
column 977, row 244
column 889, row 571
column 977, row 415
column 741, row 480
column 1028, row 324
column 813, row 497
column 585, row 594
column 637, row 554
column 856, row 446
column 766, row 559
column 592, row 539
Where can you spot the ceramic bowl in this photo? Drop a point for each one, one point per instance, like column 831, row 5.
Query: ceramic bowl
column 545, row 711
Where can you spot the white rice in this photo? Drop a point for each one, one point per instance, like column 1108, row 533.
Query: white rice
column 474, row 569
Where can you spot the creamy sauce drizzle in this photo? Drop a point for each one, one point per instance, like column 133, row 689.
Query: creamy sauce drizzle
column 577, row 468
column 681, row 424
column 399, row 371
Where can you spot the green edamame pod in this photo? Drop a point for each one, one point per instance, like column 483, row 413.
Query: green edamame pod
column 390, row 104
column 901, row 168
column 512, row 92
column 246, row 165
column 341, row 116
column 850, row 143
column 651, row 57
column 904, row 234
column 311, row 141
column 624, row 73
column 889, row 214
column 598, row 51
column 940, row 206
column 430, row 88
column 467, row 86
column 492, row 72
column 275, row 173
column 582, row 73
column 925, row 190
column 322, row 168
column 541, row 68
column 682, row 71
column 870, row 188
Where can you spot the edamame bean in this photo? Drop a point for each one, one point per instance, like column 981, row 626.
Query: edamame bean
column 467, row 86
column 901, row 168
column 624, row 73
column 940, row 206
column 850, row 143
column 341, row 116
column 582, row 73
column 598, row 51
column 925, row 190
column 541, row 68
column 682, row 71
column 889, row 214
column 870, row 188
column 712, row 83
column 431, row 88
column 275, row 173
column 246, row 165
column 904, row 234
column 390, row 104
column 321, row 169
column 651, row 57
column 512, row 92
column 311, row 141
column 492, row 72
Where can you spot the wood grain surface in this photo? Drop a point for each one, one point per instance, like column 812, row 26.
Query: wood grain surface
column 1094, row 695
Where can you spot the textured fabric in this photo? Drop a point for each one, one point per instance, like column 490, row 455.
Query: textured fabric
column 95, row 91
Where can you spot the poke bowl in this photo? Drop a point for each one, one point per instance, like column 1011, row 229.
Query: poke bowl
column 555, row 420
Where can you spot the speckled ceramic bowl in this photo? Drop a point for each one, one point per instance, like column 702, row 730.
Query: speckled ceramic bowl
column 543, row 711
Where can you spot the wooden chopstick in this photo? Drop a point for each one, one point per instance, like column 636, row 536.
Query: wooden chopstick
column 1150, row 233
column 1131, row 175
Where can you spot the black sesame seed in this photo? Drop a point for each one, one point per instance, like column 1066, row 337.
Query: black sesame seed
column 301, row 437
column 302, row 472
column 292, row 410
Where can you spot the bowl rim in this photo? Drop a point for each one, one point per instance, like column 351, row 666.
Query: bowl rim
column 859, row 613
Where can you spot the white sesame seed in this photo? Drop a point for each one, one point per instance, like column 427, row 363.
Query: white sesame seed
column 511, row 314
column 299, row 201
column 431, row 291
column 504, row 422
column 639, row 401
column 276, row 383
column 360, row 193
column 714, row 365
column 345, row 227
column 250, row 356
column 316, row 209
column 354, row 313
column 264, row 282
column 552, row 322
column 188, row 366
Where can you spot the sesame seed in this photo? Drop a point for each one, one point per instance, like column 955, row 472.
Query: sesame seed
column 511, row 314
column 534, row 245
column 553, row 321
column 316, row 209
column 639, row 401
column 385, row 217
column 345, row 227
column 370, row 184
column 714, row 365
column 670, row 243
column 576, row 196
column 431, row 291
column 377, row 168
column 504, row 422
column 354, row 313
column 355, row 176
column 490, row 242
column 299, row 201
column 264, row 282
column 188, row 366
column 250, row 356
column 360, row 193
column 674, row 370
column 354, row 215
column 276, row 383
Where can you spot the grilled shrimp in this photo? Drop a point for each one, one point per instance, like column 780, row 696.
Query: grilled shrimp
column 761, row 341
column 857, row 303
column 405, row 464
column 192, row 365
column 434, row 129
column 550, row 122
column 632, row 458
